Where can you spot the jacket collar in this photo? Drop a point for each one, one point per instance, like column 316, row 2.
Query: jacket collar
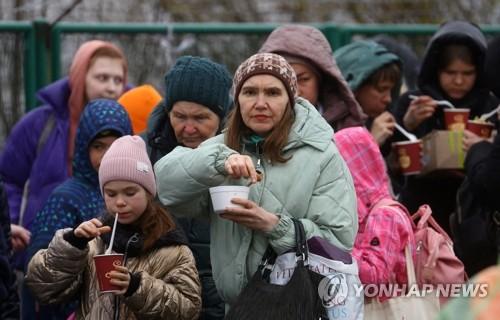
column 125, row 233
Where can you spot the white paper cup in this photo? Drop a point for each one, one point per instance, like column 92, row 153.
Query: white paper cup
column 222, row 195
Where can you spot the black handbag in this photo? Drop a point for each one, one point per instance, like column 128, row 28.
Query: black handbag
column 298, row 299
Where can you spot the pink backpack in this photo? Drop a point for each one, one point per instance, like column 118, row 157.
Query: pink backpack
column 435, row 261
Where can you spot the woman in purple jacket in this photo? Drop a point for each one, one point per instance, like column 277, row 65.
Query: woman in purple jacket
column 39, row 150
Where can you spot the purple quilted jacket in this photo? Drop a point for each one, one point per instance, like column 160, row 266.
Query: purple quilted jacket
column 46, row 170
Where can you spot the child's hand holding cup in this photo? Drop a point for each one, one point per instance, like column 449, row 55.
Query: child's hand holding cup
column 109, row 269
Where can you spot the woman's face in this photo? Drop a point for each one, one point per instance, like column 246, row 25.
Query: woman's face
column 193, row 123
column 307, row 82
column 263, row 100
column 374, row 99
column 457, row 79
column 105, row 79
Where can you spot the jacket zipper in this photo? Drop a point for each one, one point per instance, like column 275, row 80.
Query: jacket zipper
column 260, row 169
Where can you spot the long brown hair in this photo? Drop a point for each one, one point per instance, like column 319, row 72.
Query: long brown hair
column 154, row 222
column 273, row 143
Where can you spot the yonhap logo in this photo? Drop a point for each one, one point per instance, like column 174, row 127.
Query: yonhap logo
column 333, row 289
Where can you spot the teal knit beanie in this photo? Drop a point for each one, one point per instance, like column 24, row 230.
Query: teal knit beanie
column 199, row 80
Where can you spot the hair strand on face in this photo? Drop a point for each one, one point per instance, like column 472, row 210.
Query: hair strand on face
column 274, row 142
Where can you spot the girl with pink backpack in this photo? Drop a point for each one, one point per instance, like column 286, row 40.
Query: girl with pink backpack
column 383, row 234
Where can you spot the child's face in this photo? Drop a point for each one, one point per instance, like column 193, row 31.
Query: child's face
column 457, row 79
column 307, row 82
column 374, row 99
column 105, row 79
column 126, row 198
column 98, row 148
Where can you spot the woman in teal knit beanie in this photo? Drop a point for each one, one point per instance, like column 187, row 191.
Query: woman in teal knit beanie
column 197, row 100
column 196, row 84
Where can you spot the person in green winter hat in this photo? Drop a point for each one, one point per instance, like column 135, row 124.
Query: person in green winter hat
column 196, row 102
column 373, row 74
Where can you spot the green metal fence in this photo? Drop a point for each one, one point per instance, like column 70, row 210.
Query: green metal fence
column 29, row 57
column 42, row 53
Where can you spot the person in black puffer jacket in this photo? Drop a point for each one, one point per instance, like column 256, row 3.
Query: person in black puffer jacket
column 482, row 167
column 9, row 300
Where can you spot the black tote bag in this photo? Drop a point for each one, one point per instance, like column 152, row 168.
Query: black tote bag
column 297, row 300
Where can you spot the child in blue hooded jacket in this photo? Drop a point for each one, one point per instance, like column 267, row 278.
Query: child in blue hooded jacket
column 79, row 198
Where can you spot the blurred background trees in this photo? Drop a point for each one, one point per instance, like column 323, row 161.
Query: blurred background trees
column 150, row 56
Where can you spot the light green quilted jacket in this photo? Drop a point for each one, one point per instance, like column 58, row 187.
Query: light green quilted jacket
column 314, row 186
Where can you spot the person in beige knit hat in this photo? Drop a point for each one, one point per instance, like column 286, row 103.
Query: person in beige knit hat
column 158, row 261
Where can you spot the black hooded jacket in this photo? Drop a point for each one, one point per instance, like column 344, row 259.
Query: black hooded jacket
column 439, row 188
column 482, row 163
column 479, row 100
column 9, row 300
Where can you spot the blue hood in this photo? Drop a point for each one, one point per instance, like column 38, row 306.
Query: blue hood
column 98, row 115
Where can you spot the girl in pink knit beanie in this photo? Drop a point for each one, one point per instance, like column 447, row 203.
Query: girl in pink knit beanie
column 157, row 259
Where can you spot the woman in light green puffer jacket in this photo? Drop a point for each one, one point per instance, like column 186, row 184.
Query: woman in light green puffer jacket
column 304, row 176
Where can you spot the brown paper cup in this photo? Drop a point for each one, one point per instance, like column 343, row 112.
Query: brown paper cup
column 104, row 264
column 456, row 119
column 408, row 154
column 482, row 129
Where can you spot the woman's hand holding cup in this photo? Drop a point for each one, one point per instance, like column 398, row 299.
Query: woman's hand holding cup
column 250, row 215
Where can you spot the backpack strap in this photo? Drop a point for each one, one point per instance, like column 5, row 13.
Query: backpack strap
column 410, row 266
column 47, row 129
column 424, row 216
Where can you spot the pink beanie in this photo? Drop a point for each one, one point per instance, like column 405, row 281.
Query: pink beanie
column 127, row 159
